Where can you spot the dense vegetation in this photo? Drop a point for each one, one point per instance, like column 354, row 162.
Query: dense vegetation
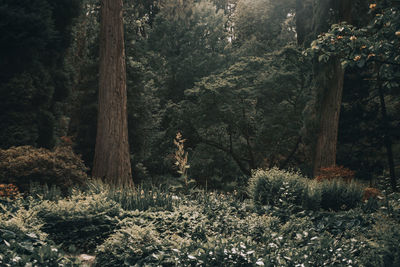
column 261, row 132
column 289, row 220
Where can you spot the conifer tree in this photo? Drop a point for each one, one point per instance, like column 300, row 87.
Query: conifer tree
column 112, row 157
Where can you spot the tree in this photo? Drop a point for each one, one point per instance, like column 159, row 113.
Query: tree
column 252, row 110
column 328, row 75
column 374, row 49
column 112, row 157
column 34, row 79
column 191, row 37
column 261, row 25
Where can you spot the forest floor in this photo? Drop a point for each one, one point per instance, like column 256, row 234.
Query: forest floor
column 199, row 229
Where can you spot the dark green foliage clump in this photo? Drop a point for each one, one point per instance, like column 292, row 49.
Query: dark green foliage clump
column 274, row 186
column 337, row 195
column 81, row 222
column 33, row 77
column 25, row 165
column 23, row 243
column 281, row 188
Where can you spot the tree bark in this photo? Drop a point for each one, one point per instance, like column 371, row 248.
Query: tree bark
column 329, row 83
column 387, row 140
column 112, row 157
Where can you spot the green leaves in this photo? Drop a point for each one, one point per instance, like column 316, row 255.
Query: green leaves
column 358, row 47
column 253, row 107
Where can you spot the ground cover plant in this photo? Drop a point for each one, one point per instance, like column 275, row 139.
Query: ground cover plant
column 278, row 226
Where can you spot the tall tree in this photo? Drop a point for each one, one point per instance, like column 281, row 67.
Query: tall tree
column 328, row 73
column 112, row 157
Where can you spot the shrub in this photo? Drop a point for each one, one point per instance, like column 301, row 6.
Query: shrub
column 312, row 196
column 81, row 222
column 8, row 191
column 132, row 245
column 335, row 173
column 277, row 187
column 339, row 195
column 25, row 164
column 24, row 244
column 280, row 188
column 371, row 192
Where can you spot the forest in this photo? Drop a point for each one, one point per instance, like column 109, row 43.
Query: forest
column 199, row 133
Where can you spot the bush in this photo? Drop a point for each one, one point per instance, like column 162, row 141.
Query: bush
column 281, row 188
column 22, row 243
column 335, row 173
column 277, row 187
column 340, row 195
column 25, row 164
column 81, row 222
column 9, row 191
column 132, row 245
column 371, row 192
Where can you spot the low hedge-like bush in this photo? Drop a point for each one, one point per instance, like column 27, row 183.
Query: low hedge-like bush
column 82, row 221
column 336, row 195
column 24, row 165
column 275, row 187
column 283, row 188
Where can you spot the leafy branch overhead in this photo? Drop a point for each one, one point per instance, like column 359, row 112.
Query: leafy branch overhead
column 379, row 42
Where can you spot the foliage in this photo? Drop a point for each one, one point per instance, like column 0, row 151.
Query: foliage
column 281, row 188
column 79, row 223
column 375, row 43
column 140, row 198
column 185, row 33
column 337, row 195
column 263, row 25
column 181, row 162
column 275, row 186
column 252, row 110
column 9, row 191
column 34, row 80
column 334, row 173
column 218, row 230
column 24, row 244
column 370, row 192
column 24, row 165
column 370, row 56
column 129, row 246
column 205, row 229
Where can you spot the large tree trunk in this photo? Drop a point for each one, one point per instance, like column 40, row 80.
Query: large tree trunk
column 329, row 76
column 329, row 83
column 112, row 157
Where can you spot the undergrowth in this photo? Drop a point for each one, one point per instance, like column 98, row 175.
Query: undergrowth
column 286, row 223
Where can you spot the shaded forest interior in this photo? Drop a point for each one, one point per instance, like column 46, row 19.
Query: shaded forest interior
column 199, row 133
column 249, row 84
